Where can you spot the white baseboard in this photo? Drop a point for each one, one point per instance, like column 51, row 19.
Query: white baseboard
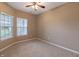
column 68, row 49
column 14, row 44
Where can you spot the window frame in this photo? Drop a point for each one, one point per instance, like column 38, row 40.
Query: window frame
column 21, row 18
column 10, row 20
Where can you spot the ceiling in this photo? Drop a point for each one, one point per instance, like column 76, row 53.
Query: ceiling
column 21, row 6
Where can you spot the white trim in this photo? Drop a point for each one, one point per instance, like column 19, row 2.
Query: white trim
column 14, row 44
column 68, row 49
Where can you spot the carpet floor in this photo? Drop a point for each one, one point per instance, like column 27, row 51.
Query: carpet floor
column 36, row 48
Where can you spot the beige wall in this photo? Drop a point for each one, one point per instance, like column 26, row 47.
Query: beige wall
column 61, row 25
column 16, row 13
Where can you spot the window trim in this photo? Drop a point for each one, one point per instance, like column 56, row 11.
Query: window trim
column 12, row 17
column 22, row 27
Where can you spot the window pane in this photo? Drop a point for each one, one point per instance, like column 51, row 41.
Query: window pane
column 21, row 26
column 21, row 22
column 25, row 23
column 25, row 31
column 6, row 18
column 6, row 25
column 18, row 31
column 2, row 17
column 22, row 31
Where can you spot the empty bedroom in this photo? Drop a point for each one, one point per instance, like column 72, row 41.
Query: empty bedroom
column 39, row 29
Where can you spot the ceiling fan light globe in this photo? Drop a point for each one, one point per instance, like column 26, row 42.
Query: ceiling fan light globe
column 36, row 7
column 33, row 7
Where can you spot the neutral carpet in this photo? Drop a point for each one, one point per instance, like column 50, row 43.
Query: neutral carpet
column 36, row 48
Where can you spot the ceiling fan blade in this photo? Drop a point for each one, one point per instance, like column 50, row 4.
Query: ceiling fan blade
column 41, row 6
column 28, row 5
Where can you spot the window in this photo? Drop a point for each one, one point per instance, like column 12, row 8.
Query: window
column 6, row 25
column 21, row 26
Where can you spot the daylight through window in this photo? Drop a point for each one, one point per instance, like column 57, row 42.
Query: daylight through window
column 21, row 26
column 6, row 25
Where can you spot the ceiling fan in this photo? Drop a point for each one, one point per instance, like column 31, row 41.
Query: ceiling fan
column 35, row 5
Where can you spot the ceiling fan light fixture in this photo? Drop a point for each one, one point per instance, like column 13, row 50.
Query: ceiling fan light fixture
column 35, row 5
